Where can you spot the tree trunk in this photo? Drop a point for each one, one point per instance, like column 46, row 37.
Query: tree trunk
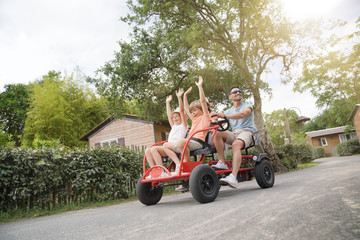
column 263, row 136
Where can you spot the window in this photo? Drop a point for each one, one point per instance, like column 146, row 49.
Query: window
column 323, row 141
column 353, row 136
column 163, row 136
column 347, row 137
column 343, row 138
column 111, row 143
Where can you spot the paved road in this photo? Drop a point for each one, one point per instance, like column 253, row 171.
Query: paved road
column 321, row 202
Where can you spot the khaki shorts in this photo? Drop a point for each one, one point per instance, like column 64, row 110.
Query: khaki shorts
column 193, row 145
column 242, row 134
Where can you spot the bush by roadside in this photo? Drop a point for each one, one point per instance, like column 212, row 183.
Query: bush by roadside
column 348, row 148
column 318, row 152
column 45, row 178
column 293, row 154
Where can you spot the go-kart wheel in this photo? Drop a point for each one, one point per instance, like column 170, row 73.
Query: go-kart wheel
column 264, row 174
column 147, row 194
column 204, row 184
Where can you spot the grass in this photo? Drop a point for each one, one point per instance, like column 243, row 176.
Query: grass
column 21, row 214
column 305, row 165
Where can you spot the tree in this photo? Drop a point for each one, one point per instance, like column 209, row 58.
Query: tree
column 225, row 41
column 14, row 103
column 332, row 76
column 275, row 125
column 62, row 109
column 335, row 115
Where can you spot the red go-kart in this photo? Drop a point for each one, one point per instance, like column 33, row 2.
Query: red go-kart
column 197, row 175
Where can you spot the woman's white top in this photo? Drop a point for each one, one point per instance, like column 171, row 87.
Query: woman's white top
column 177, row 132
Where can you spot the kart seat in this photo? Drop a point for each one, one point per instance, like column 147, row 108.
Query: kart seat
column 207, row 149
column 253, row 143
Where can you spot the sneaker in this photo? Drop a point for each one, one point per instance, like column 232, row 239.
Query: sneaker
column 164, row 174
column 176, row 172
column 230, row 180
column 220, row 165
column 181, row 189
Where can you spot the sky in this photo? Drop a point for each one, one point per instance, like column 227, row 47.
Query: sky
column 37, row 36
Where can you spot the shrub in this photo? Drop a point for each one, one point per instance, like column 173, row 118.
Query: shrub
column 318, row 152
column 6, row 139
column 47, row 177
column 348, row 148
column 289, row 162
column 38, row 143
column 292, row 154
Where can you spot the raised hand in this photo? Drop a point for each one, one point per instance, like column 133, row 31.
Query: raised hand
column 180, row 92
column 168, row 98
column 200, row 82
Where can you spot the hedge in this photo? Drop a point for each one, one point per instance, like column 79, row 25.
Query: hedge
column 348, row 148
column 45, row 178
column 319, row 152
column 292, row 154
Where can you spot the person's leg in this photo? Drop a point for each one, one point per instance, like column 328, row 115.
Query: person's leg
column 242, row 140
column 237, row 145
column 157, row 152
column 169, row 151
column 149, row 157
column 181, row 144
column 219, row 139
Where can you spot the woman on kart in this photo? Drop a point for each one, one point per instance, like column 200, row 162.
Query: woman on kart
column 177, row 120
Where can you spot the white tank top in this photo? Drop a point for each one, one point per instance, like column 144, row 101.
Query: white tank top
column 177, row 132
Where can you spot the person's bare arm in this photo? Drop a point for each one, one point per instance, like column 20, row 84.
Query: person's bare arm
column 202, row 96
column 186, row 104
column 245, row 112
column 168, row 110
column 181, row 107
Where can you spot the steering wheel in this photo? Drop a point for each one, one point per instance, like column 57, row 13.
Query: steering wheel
column 223, row 124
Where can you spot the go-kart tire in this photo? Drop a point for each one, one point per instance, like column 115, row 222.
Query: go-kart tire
column 264, row 174
column 204, row 184
column 147, row 194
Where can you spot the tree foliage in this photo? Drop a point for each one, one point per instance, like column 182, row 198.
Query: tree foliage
column 62, row 109
column 335, row 115
column 332, row 75
column 14, row 103
column 225, row 41
column 275, row 125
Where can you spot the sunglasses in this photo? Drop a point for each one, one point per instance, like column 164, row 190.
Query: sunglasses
column 236, row 91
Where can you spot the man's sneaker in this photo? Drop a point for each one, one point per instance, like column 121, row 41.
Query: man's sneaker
column 182, row 189
column 230, row 180
column 176, row 172
column 220, row 165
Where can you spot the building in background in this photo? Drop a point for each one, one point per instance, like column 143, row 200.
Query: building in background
column 330, row 138
column 129, row 131
column 355, row 119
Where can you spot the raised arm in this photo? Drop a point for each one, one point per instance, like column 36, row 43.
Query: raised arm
column 186, row 103
column 181, row 107
column 168, row 110
column 202, row 96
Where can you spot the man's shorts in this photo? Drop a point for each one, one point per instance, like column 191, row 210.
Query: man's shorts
column 242, row 134
column 193, row 145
